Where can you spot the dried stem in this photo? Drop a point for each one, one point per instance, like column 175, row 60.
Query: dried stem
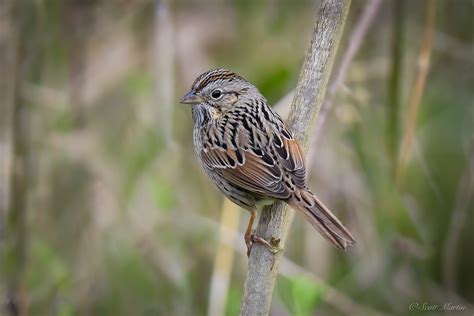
column 224, row 258
column 458, row 222
column 13, row 165
column 288, row 268
column 417, row 91
column 25, row 66
column 274, row 220
column 356, row 39
column 76, row 34
column 394, row 91
column 163, row 54
column 7, row 91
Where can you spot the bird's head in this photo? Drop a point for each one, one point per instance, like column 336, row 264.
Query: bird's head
column 219, row 90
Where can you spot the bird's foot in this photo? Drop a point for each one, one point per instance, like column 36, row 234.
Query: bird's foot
column 273, row 246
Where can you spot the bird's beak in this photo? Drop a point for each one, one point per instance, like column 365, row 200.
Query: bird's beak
column 191, row 98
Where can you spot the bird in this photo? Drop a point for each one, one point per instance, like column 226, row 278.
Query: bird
column 251, row 155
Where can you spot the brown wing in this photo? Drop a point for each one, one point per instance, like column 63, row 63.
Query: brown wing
column 290, row 156
column 247, row 170
column 258, row 170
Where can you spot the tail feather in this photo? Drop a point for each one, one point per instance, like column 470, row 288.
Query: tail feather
column 325, row 222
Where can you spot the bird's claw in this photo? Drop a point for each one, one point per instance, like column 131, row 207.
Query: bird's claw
column 273, row 246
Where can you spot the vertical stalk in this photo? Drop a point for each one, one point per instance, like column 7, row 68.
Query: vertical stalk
column 77, row 13
column 224, row 259
column 274, row 220
column 163, row 59
column 11, row 188
column 22, row 65
column 416, row 94
column 458, row 223
column 8, row 61
column 394, row 91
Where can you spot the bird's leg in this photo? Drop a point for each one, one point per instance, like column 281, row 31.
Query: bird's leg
column 249, row 232
column 251, row 238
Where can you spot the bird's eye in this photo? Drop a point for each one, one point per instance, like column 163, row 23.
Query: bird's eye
column 216, row 94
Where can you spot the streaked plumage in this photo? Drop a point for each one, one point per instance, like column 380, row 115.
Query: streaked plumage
column 249, row 153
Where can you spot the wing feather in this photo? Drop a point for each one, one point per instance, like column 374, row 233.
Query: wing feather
column 258, row 170
column 254, row 174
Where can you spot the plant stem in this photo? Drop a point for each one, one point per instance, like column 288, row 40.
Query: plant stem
column 458, row 222
column 414, row 100
column 8, row 61
column 394, row 92
column 274, row 220
column 355, row 41
column 223, row 261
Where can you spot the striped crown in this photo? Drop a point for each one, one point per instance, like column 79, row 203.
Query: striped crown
column 215, row 75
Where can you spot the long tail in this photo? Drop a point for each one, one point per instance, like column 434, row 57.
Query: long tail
column 327, row 224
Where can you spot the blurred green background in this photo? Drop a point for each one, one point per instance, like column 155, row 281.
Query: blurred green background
column 104, row 209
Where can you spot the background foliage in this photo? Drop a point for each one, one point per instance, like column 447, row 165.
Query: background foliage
column 108, row 213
